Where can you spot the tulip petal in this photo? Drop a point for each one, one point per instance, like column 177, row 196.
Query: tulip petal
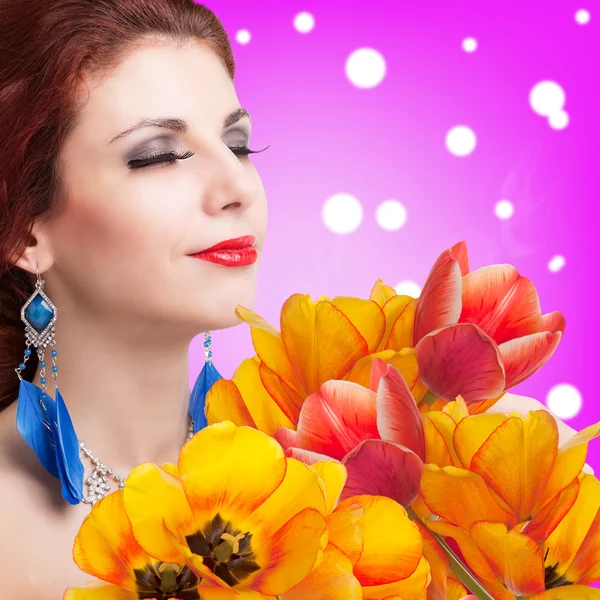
column 336, row 418
column 301, row 489
column 381, row 293
column 376, row 467
column 398, row 418
column 405, row 361
column 461, row 254
column 569, row 462
column 569, row 592
column 471, row 498
column 290, row 553
column 378, row 370
column 566, row 542
column 269, row 346
column 501, row 302
column 471, row 433
column 332, row 579
column 456, row 591
column 585, row 568
column 105, row 547
column 288, row 401
column 515, row 558
column 553, row 322
column 225, row 403
column 150, row 497
column 308, row 457
column 344, row 530
column 474, row 559
column 392, row 544
column 399, row 318
column 439, row 304
column 286, row 437
column 461, row 360
column 411, row 587
column 437, row 450
column 95, row 590
column 264, row 409
column 438, row 561
column 523, row 356
column 210, row 592
column 333, row 475
column 320, row 340
column 544, row 521
column 366, row 315
column 228, row 466
column 519, row 475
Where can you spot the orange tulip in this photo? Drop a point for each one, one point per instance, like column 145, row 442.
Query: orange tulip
column 326, row 339
column 511, row 564
column 479, row 333
column 503, row 468
column 374, row 551
column 378, row 435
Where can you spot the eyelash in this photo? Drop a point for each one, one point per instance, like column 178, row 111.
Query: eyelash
column 168, row 158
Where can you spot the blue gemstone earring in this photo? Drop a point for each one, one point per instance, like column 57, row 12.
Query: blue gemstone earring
column 43, row 422
column 205, row 380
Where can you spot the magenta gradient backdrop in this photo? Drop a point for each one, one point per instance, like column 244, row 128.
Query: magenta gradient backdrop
column 328, row 136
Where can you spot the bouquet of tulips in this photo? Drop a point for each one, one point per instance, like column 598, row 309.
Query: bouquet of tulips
column 364, row 453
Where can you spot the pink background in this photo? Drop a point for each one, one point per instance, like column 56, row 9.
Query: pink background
column 329, row 136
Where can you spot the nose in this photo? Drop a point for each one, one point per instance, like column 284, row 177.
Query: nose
column 231, row 185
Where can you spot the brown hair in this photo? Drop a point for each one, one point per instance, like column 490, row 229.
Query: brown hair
column 45, row 49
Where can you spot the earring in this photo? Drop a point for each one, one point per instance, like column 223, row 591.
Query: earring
column 205, row 380
column 43, row 422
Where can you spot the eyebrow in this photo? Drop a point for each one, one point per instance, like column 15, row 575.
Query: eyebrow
column 179, row 125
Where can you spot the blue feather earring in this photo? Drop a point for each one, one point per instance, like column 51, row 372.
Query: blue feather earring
column 43, row 422
column 205, row 380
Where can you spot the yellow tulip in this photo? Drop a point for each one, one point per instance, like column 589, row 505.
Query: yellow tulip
column 321, row 340
column 235, row 518
column 374, row 550
column 106, row 548
column 511, row 564
column 502, row 468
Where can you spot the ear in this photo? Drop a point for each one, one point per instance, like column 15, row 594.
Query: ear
column 38, row 253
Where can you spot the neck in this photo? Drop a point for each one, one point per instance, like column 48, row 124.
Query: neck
column 126, row 389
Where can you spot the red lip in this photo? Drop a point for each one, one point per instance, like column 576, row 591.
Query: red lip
column 236, row 252
column 230, row 258
column 238, row 243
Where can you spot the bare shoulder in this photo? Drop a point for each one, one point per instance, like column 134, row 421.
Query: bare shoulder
column 38, row 527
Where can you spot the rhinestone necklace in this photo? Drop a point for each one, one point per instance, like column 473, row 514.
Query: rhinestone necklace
column 98, row 485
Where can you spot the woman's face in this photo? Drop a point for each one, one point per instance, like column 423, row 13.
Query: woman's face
column 121, row 247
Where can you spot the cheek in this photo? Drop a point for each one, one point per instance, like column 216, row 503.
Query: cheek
column 110, row 250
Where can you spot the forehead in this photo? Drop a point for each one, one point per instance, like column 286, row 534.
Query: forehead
column 158, row 80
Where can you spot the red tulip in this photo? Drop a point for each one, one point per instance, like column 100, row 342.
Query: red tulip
column 480, row 333
column 377, row 435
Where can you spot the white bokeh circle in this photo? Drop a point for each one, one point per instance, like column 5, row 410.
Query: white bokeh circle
column 365, row 67
column 558, row 120
column 564, row 400
column 304, row 22
column 243, row 36
column 408, row 288
column 582, row 16
column 391, row 215
column 469, row 44
column 547, row 98
column 342, row 213
column 461, row 140
column 556, row 263
column 504, row 209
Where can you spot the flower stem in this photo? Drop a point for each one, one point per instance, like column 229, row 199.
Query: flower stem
column 429, row 398
column 456, row 565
